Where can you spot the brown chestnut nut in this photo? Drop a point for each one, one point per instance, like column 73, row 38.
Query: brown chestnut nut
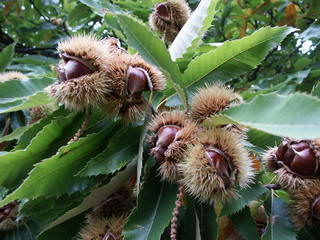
column 136, row 80
column 72, row 69
column 218, row 160
column 304, row 162
column 165, row 136
column 163, row 11
column 298, row 157
column 316, row 208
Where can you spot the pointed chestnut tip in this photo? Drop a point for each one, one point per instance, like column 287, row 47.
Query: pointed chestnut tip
column 137, row 80
column 165, row 136
column 163, row 11
column 316, row 208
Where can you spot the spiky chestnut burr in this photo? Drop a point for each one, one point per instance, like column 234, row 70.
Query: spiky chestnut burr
column 215, row 165
column 211, row 100
column 170, row 135
column 8, row 215
column 169, row 17
column 296, row 163
column 82, row 80
column 11, row 75
column 305, row 206
column 129, row 76
column 103, row 229
column 106, row 221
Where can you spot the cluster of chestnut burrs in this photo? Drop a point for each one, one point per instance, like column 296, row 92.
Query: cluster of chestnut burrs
column 97, row 73
column 296, row 164
column 209, row 163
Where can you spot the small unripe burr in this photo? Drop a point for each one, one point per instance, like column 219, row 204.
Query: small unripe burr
column 296, row 163
column 170, row 135
column 215, row 165
column 212, row 100
column 169, row 17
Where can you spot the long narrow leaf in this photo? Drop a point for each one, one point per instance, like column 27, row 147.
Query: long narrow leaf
column 233, row 57
column 194, row 29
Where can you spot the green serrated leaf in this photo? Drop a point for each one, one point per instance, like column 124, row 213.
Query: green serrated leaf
column 233, row 57
column 207, row 221
column 316, row 90
column 194, row 29
column 16, row 134
column 11, row 90
column 153, row 50
column 97, row 195
column 244, row 223
column 189, row 220
column 262, row 139
column 31, row 132
column 279, row 225
column 101, row 8
column 122, row 148
column 153, row 212
column 278, row 115
column 6, row 56
column 245, row 196
column 14, row 166
column 37, row 99
column 56, row 175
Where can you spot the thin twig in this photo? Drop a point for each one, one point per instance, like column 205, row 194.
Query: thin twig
column 81, row 130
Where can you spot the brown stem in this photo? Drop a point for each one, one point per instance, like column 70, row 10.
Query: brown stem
column 175, row 214
column 81, row 130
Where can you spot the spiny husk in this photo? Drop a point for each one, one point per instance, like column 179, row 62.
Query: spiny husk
column 179, row 14
column 176, row 151
column 286, row 178
column 118, row 101
column 301, row 205
column 118, row 204
column 113, row 46
column 12, row 75
column 10, row 222
column 109, row 216
column 89, row 48
column 88, row 91
column 100, row 228
column 211, row 100
column 202, row 180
